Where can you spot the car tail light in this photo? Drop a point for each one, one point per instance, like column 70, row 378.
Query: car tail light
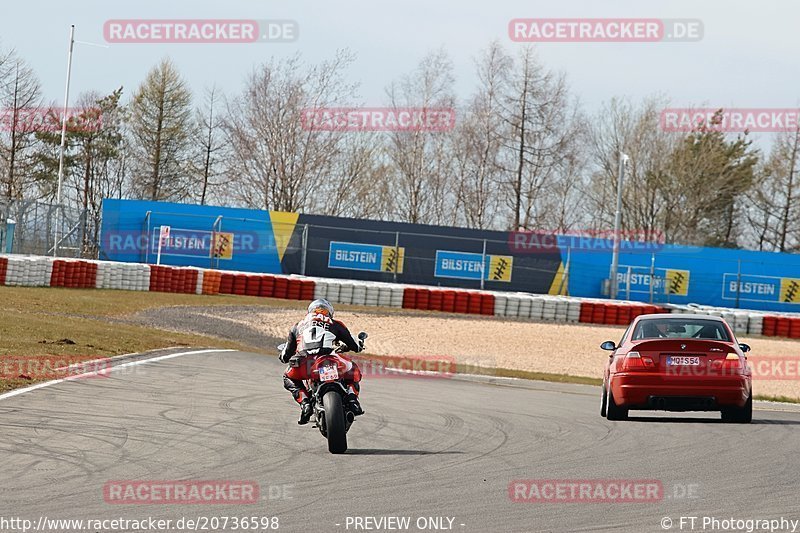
column 635, row 361
column 731, row 364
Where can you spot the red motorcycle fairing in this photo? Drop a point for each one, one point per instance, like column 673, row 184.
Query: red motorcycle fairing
column 308, row 368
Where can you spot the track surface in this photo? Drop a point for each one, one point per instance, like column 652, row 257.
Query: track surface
column 426, row 447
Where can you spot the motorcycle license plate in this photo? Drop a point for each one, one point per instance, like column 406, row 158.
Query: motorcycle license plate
column 328, row 373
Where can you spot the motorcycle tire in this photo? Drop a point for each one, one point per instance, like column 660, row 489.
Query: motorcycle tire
column 334, row 422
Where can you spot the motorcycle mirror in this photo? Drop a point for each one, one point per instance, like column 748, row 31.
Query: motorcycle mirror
column 363, row 335
column 282, row 347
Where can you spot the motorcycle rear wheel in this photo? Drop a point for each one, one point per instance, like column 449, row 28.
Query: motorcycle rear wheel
column 334, row 422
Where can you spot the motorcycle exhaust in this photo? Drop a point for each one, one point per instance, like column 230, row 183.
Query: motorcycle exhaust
column 350, row 417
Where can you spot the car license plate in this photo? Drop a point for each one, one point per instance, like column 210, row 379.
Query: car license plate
column 683, row 360
column 329, row 373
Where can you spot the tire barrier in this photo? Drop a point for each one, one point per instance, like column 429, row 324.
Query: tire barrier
column 73, row 274
column 39, row 271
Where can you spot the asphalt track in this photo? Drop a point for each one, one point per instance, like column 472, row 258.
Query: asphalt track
column 426, row 448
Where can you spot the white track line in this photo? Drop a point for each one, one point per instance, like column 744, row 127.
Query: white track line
column 17, row 392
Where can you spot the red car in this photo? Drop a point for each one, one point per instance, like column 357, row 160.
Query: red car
column 675, row 362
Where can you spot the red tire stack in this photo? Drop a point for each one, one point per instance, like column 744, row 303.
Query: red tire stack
column 307, row 287
column 252, row 285
column 281, row 287
column 587, row 312
column 462, row 302
column 487, row 304
column 240, row 284
column 409, row 298
column 293, row 289
column 267, row 286
column 226, row 283
column 435, row 300
column 474, row 303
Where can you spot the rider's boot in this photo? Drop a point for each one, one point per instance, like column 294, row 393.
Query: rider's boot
column 305, row 412
column 353, row 404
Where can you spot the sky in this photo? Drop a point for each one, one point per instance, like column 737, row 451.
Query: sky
column 746, row 57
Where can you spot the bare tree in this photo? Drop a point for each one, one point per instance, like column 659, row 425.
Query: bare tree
column 279, row 159
column 648, row 200
column 773, row 212
column 543, row 129
column 161, row 129
column 210, row 147
column 21, row 108
column 479, row 141
column 421, row 161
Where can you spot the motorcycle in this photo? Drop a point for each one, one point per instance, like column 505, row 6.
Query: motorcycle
column 327, row 389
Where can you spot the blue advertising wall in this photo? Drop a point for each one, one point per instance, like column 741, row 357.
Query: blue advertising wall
column 277, row 242
column 684, row 274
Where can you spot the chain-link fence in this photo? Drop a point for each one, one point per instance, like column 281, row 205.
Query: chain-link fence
column 29, row 227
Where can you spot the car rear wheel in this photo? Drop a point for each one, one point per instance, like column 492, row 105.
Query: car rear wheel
column 603, row 401
column 613, row 411
column 739, row 415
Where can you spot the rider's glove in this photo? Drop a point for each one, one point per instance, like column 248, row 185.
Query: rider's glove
column 284, row 357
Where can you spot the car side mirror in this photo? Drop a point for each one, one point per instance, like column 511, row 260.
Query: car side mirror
column 608, row 345
column 363, row 335
column 744, row 347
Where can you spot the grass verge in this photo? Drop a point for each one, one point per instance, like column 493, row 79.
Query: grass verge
column 39, row 326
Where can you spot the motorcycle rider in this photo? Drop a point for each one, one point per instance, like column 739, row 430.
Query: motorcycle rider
column 320, row 314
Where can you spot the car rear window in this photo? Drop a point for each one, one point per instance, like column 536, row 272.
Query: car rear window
column 676, row 328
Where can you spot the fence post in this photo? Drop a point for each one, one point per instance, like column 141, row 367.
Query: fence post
column 396, row 254
column 483, row 263
column 565, row 273
column 738, row 281
column 305, row 251
column 147, row 237
column 628, row 285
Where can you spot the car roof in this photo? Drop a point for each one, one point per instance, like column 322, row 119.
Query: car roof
column 682, row 316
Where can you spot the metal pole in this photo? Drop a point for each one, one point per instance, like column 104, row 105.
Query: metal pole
column 147, row 240
column 617, row 217
column 63, row 142
column 565, row 273
column 213, row 253
column 483, row 263
column 305, row 251
column 396, row 254
column 652, row 275
column 628, row 285
column 738, row 281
